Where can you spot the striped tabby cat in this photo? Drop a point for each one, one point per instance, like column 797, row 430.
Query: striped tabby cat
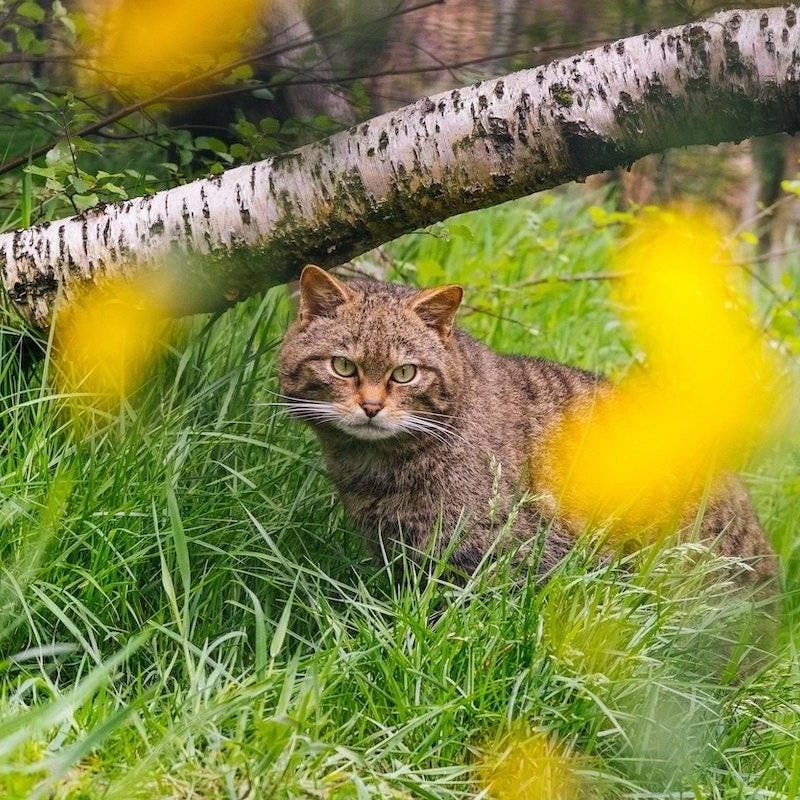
column 418, row 421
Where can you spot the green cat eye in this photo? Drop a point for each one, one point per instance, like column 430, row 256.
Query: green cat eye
column 343, row 367
column 404, row 373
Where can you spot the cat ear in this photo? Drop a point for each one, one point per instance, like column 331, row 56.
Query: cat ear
column 437, row 307
column 320, row 293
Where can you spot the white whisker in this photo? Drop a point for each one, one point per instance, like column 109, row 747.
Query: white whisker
column 434, row 414
column 305, row 410
column 410, row 424
column 442, row 431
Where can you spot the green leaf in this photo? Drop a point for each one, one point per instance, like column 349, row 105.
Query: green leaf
column 179, row 540
column 59, row 156
column 113, row 188
column 260, row 645
column 240, row 74
column 283, row 624
column 269, row 125
column 211, row 143
column 84, row 201
column 32, row 11
column 281, row 76
column 25, row 39
column 79, row 185
column 461, row 232
column 82, row 145
column 44, row 172
column 784, row 323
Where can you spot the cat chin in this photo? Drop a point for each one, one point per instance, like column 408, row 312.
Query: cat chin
column 367, row 432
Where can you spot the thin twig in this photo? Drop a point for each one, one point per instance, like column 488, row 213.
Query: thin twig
column 311, row 80
column 576, row 278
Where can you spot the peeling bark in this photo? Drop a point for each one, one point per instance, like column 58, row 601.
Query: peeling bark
column 731, row 77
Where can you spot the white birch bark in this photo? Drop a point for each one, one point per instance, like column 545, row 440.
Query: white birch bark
column 733, row 76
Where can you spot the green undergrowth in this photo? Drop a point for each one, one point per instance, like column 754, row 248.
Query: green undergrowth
column 185, row 612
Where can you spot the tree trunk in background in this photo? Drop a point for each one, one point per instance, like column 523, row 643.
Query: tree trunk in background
column 733, row 76
column 288, row 23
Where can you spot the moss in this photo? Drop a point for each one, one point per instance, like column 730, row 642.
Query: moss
column 562, row 95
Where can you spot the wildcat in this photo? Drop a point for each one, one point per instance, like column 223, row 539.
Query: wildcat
column 419, row 422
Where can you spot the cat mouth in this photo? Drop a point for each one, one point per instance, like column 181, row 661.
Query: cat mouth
column 369, row 429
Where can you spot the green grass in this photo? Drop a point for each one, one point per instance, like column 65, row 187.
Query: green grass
column 186, row 613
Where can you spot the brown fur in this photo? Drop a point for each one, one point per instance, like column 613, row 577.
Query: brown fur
column 491, row 409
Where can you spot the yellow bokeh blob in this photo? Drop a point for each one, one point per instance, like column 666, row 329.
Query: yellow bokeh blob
column 142, row 46
column 634, row 456
column 531, row 765
column 106, row 339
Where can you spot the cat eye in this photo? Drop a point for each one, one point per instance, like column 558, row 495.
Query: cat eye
column 343, row 367
column 404, row 373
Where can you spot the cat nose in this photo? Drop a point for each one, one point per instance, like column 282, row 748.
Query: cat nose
column 370, row 408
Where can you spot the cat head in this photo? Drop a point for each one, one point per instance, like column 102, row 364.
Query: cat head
column 372, row 360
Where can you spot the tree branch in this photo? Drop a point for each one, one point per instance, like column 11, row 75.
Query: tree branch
column 734, row 76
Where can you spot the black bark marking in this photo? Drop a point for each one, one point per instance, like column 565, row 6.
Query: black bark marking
column 733, row 56
column 522, row 108
column 244, row 211
column 587, row 149
column 187, row 220
column 769, row 43
column 655, row 91
column 501, row 137
column 697, row 38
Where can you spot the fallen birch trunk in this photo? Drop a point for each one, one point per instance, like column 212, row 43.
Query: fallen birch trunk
column 730, row 77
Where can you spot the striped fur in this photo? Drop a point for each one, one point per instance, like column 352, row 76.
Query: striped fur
column 467, row 429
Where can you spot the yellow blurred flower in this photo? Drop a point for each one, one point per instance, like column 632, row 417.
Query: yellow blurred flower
column 634, row 455
column 531, row 765
column 106, row 339
column 145, row 45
